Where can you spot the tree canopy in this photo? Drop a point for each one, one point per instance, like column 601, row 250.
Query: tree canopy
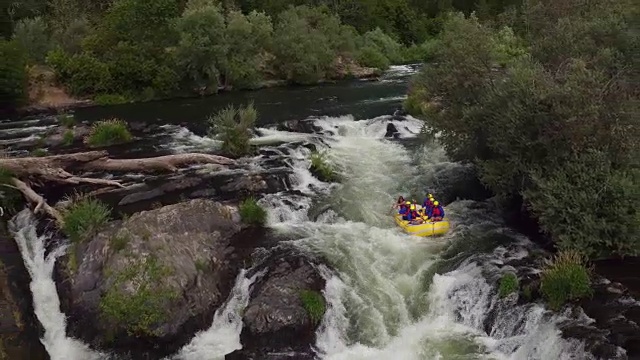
column 544, row 100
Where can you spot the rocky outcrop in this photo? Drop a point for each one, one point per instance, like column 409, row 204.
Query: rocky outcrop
column 19, row 329
column 205, row 183
column 144, row 285
column 605, row 323
column 285, row 308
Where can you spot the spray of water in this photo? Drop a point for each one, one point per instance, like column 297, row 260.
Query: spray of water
column 46, row 302
column 223, row 337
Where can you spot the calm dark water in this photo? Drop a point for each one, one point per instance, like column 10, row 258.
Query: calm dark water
column 362, row 99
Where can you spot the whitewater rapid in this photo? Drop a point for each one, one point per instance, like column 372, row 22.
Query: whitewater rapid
column 386, row 298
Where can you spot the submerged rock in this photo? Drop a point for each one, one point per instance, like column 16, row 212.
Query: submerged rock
column 145, row 285
column 306, row 126
column 285, row 308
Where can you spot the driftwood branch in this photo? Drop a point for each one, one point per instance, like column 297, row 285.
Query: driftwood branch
column 57, row 168
column 40, row 202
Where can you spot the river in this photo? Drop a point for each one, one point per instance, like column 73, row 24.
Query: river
column 390, row 296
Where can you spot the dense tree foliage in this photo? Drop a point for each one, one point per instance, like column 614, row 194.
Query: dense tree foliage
column 145, row 49
column 13, row 75
column 544, row 100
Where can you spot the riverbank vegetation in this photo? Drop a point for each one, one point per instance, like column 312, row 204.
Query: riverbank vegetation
column 134, row 50
column 543, row 102
column 543, row 99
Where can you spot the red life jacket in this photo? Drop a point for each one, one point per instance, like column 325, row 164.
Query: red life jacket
column 436, row 211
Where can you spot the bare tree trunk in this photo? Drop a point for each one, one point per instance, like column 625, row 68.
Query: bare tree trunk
column 54, row 168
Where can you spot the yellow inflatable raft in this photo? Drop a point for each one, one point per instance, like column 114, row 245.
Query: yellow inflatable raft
column 425, row 229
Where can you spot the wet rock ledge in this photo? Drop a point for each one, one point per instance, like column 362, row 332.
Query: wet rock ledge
column 145, row 285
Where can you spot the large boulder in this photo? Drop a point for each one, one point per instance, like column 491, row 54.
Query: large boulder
column 145, row 285
column 286, row 306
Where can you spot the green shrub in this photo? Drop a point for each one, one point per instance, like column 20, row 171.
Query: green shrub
column 508, row 284
column 81, row 73
column 67, row 120
column 233, row 127
column 83, row 218
column 252, row 213
column 321, row 168
column 314, row 303
column 108, row 132
column 565, row 278
column 68, row 137
column 372, row 57
column 385, row 44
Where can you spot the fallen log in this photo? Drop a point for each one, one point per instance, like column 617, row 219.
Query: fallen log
column 55, row 169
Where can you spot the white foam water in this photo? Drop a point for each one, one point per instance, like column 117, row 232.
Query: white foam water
column 385, row 303
column 223, row 337
column 46, row 302
column 385, row 300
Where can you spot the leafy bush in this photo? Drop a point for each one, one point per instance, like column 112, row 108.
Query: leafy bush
column 233, row 127
column 321, row 168
column 83, row 218
column 372, row 57
column 564, row 279
column 588, row 204
column 252, row 213
column 303, row 39
column 385, row 44
column 201, row 47
column 33, row 36
column 13, row 75
column 314, row 303
column 108, row 132
column 82, row 73
column 508, row 284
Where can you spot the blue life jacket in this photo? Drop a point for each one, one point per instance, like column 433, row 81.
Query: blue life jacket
column 403, row 210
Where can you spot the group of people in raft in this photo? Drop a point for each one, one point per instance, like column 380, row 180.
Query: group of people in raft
column 431, row 210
